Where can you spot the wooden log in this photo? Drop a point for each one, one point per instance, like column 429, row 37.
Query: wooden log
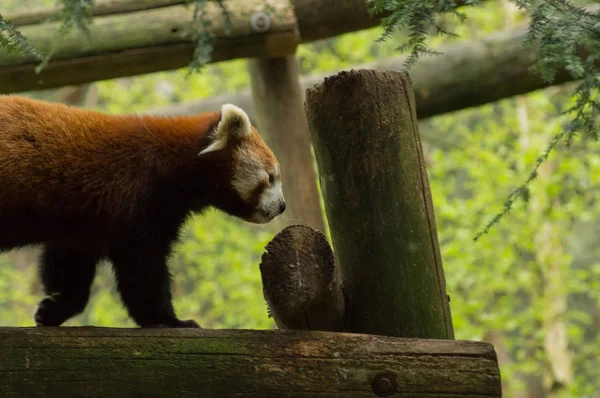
column 107, row 7
column 278, row 101
column 149, row 40
column 159, row 44
column 164, row 26
column 467, row 74
column 378, row 203
column 84, row 362
column 301, row 281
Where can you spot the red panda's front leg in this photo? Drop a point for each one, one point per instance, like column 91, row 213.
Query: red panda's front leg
column 143, row 281
column 66, row 273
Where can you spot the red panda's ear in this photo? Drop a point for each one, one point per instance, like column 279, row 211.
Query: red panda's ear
column 234, row 123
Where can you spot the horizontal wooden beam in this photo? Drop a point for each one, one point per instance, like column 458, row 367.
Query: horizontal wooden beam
column 106, row 7
column 135, row 37
column 147, row 41
column 83, row 362
column 317, row 19
column 153, row 39
column 467, row 74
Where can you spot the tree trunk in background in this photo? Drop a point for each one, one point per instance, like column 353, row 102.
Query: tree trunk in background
column 549, row 253
column 282, row 121
column 376, row 190
column 558, row 373
column 498, row 340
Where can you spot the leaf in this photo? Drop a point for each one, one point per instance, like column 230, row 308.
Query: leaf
column 11, row 40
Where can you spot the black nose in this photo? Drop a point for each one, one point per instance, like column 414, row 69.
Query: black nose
column 281, row 207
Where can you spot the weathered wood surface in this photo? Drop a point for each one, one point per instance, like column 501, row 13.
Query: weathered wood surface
column 83, row 362
column 467, row 74
column 282, row 121
column 378, row 202
column 301, row 282
column 164, row 47
column 163, row 26
column 145, row 41
column 106, row 7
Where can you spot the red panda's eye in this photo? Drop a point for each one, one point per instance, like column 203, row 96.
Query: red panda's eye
column 271, row 178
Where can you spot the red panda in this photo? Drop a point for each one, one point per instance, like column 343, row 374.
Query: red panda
column 89, row 186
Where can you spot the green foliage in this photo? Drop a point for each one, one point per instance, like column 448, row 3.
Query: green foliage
column 563, row 32
column 73, row 13
column 536, row 276
column 418, row 17
column 523, row 190
column 202, row 34
column 163, row 88
column 560, row 29
column 11, row 40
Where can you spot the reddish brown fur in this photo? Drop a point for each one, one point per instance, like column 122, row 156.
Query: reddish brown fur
column 116, row 185
column 69, row 156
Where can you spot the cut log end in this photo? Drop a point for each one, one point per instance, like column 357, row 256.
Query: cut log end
column 301, row 283
column 350, row 79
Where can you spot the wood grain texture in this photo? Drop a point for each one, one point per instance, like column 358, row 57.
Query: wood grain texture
column 84, row 362
column 278, row 100
column 146, row 41
column 163, row 26
column 105, row 7
column 301, row 282
column 163, row 48
column 378, row 203
column 485, row 66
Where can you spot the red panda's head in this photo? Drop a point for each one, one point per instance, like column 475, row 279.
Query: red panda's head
column 253, row 191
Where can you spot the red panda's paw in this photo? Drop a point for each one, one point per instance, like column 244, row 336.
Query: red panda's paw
column 49, row 313
column 189, row 324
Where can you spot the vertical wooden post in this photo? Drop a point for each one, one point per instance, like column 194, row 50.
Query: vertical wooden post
column 378, row 204
column 278, row 102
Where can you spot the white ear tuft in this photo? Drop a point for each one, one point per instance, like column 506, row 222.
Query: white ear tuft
column 218, row 143
column 234, row 122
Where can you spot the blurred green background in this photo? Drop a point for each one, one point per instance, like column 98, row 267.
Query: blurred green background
column 531, row 286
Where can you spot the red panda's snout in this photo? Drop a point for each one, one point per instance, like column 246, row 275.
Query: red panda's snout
column 257, row 181
column 256, row 175
column 269, row 200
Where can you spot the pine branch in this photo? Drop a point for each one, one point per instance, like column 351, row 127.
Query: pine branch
column 73, row 13
column 418, row 17
column 11, row 40
column 523, row 190
column 204, row 38
column 563, row 32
